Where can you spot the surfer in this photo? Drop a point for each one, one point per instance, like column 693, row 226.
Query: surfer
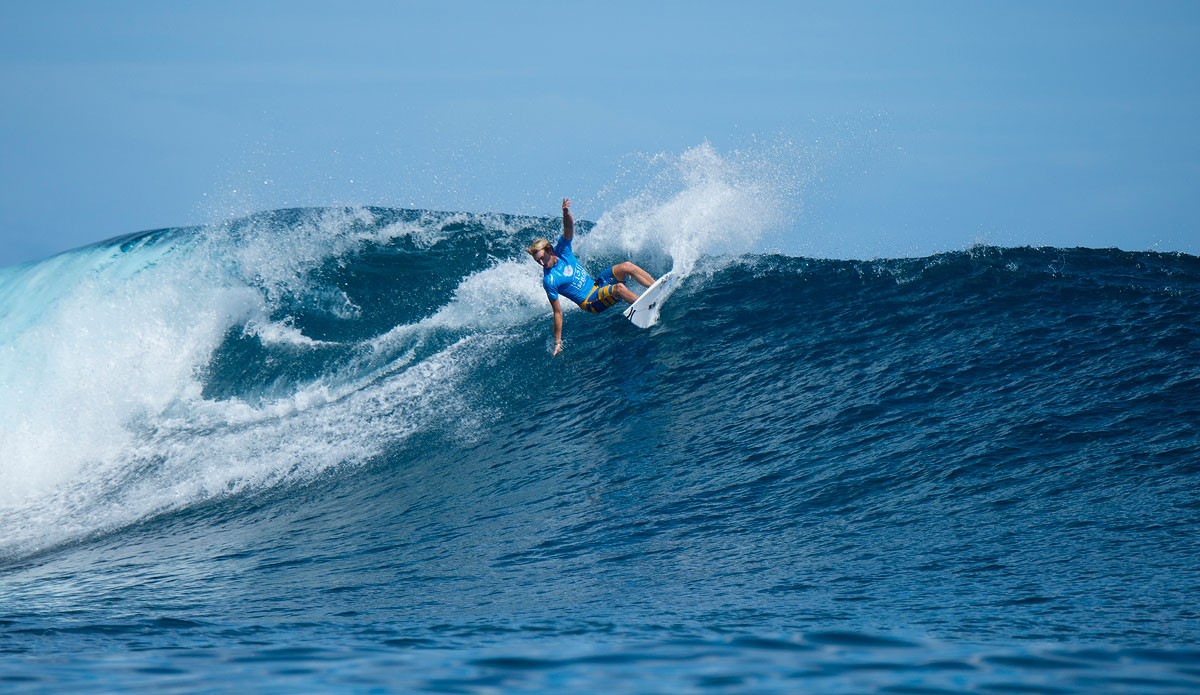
column 562, row 273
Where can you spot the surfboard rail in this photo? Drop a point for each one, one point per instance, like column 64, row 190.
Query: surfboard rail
column 644, row 312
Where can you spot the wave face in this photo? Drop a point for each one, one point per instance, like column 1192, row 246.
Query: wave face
column 312, row 446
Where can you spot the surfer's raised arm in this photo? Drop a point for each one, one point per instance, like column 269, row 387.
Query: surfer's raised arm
column 568, row 221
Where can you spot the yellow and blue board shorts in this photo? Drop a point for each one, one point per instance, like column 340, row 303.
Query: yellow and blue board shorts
column 603, row 294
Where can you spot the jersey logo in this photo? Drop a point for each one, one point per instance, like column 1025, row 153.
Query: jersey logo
column 568, row 271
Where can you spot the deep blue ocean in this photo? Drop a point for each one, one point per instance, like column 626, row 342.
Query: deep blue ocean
column 328, row 450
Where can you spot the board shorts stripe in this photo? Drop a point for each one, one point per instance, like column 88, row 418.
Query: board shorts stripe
column 600, row 298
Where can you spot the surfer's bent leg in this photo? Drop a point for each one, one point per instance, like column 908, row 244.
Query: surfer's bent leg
column 606, row 292
column 615, row 285
column 621, row 271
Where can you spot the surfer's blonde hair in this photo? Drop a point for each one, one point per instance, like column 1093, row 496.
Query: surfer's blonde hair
column 537, row 245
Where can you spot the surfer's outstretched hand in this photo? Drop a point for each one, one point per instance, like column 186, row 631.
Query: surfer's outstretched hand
column 557, row 348
column 566, row 203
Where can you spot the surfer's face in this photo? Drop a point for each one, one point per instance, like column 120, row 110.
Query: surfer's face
column 545, row 258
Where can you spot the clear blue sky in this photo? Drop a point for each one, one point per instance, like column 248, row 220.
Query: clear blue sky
column 914, row 127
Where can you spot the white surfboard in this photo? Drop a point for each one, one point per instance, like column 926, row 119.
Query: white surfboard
column 644, row 312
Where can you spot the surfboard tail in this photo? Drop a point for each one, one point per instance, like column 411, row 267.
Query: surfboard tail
column 644, row 312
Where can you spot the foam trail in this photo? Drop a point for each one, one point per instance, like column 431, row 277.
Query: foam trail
column 275, row 333
column 488, row 301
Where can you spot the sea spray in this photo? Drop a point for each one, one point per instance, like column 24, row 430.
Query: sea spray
column 699, row 203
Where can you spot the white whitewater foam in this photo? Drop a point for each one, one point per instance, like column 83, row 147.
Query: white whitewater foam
column 200, row 454
column 285, row 334
column 115, row 344
column 102, row 416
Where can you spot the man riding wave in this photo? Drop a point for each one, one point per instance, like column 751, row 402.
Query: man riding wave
column 563, row 274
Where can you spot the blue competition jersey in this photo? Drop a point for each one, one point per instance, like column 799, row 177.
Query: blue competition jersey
column 567, row 277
